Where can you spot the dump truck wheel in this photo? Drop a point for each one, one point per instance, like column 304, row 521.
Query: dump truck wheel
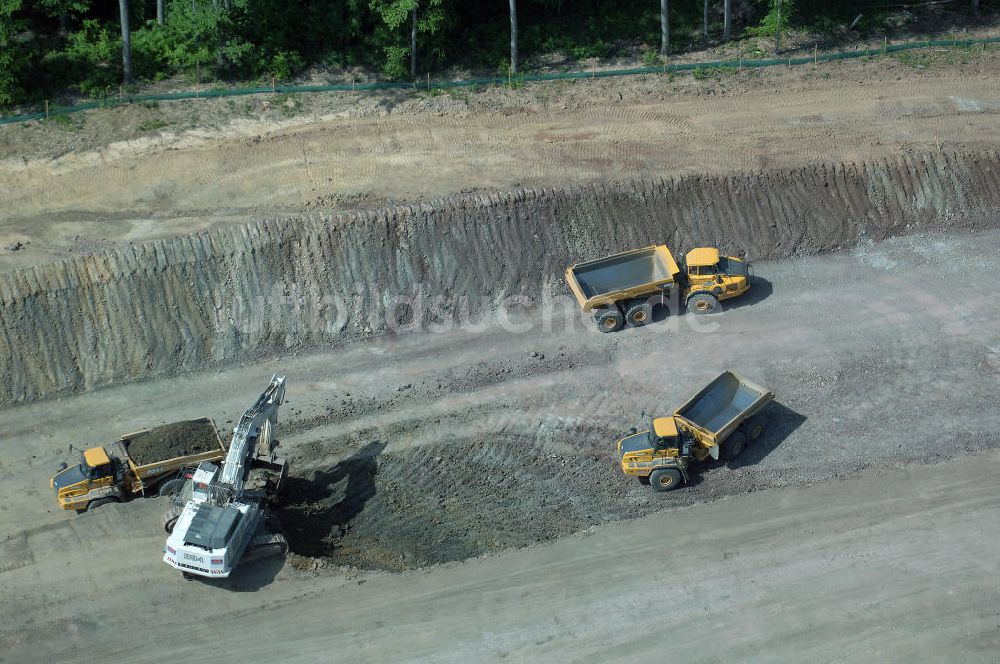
column 665, row 479
column 639, row 314
column 171, row 487
column 732, row 446
column 644, row 480
column 609, row 320
column 753, row 429
column 703, row 303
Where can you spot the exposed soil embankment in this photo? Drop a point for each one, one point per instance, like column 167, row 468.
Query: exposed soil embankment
column 234, row 294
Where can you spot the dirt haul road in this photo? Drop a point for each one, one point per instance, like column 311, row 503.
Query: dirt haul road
column 439, row 448
column 366, row 150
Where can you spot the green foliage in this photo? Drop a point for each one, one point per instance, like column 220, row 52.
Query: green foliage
column 777, row 20
column 91, row 59
column 284, row 63
column 713, row 73
column 395, row 65
column 50, row 47
column 153, row 124
column 10, row 56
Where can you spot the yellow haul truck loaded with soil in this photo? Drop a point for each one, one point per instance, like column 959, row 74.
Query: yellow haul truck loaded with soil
column 716, row 423
column 136, row 464
column 624, row 287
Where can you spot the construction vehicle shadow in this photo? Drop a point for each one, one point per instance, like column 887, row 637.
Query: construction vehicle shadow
column 779, row 422
column 252, row 576
column 760, row 289
column 316, row 510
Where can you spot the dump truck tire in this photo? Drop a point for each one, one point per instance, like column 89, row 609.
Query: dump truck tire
column 644, row 480
column 609, row 320
column 665, row 479
column 703, row 303
column 170, row 487
column 732, row 447
column 639, row 313
column 753, row 429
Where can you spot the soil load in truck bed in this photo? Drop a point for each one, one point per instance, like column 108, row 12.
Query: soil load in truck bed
column 173, row 440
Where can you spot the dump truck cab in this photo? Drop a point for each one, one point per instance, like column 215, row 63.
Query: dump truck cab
column 716, row 423
column 95, row 477
column 711, row 276
column 662, row 452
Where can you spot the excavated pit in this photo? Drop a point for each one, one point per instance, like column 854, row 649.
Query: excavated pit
column 237, row 294
column 469, row 496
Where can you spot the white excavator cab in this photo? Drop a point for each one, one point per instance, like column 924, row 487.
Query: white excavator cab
column 201, row 482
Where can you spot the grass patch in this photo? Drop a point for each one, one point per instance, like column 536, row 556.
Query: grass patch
column 715, row 74
column 152, row 124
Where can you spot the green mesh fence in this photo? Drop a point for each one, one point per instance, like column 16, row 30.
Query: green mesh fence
column 499, row 80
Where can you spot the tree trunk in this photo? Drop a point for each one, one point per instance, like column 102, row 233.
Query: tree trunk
column 159, row 11
column 727, row 20
column 126, row 41
column 706, row 19
column 777, row 33
column 513, row 36
column 413, row 45
column 665, row 27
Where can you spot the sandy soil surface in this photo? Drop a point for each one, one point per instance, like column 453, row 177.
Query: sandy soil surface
column 440, row 448
column 65, row 197
column 891, row 566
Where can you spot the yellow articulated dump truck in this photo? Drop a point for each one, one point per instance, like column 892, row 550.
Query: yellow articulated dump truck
column 716, row 423
column 624, row 287
column 136, row 464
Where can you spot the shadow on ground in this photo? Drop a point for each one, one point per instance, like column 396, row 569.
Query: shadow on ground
column 316, row 509
column 779, row 422
column 760, row 290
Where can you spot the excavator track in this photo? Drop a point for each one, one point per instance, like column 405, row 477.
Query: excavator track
column 267, row 545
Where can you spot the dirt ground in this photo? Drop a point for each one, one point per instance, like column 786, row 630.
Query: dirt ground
column 439, row 448
column 453, row 493
column 69, row 190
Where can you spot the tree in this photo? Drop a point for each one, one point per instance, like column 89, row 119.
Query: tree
column 10, row 88
column 513, row 36
column 665, row 27
column 126, row 42
column 706, row 19
column 727, row 20
column 776, row 21
column 413, row 43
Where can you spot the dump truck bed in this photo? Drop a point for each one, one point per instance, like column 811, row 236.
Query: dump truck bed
column 166, row 448
column 620, row 276
column 721, row 406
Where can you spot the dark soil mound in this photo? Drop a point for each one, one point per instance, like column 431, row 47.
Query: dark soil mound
column 173, row 440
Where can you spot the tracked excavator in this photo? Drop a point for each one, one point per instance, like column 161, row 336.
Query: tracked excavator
column 224, row 519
